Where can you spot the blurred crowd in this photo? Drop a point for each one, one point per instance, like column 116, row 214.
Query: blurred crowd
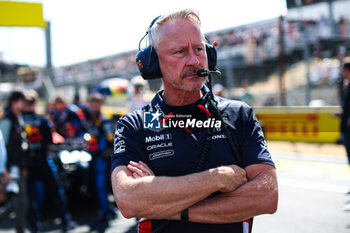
column 62, row 156
column 253, row 43
column 108, row 66
column 263, row 32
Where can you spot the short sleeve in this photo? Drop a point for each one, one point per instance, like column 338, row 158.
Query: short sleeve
column 254, row 149
column 128, row 144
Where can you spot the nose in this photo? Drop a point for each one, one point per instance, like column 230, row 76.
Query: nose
column 192, row 59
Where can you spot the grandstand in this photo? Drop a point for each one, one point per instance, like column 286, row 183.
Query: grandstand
column 247, row 52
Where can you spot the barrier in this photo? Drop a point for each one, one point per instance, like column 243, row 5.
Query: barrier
column 300, row 123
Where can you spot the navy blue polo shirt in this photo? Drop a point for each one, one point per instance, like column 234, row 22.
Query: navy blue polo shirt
column 174, row 149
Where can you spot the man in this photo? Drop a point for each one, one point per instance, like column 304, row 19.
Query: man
column 4, row 178
column 100, row 146
column 81, row 110
column 154, row 169
column 140, row 93
column 11, row 126
column 42, row 174
column 66, row 121
column 345, row 118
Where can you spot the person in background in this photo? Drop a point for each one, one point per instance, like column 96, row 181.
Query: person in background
column 81, row 110
column 140, row 93
column 100, row 146
column 71, row 123
column 66, row 122
column 4, row 178
column 41, row 178
column 345, row 117
column 247, row 97
column 11, row 126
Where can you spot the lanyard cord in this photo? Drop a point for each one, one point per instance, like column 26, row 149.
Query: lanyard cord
column 215, row 110
column 201, row 162
column 206, row 145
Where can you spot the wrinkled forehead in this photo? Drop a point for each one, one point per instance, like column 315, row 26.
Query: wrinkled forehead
column 180, row 31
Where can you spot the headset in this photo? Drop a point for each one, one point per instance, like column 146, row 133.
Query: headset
column 147, row 58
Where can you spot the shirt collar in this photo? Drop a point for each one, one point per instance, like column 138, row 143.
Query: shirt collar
column 158, row 103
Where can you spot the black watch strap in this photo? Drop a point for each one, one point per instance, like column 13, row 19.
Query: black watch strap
column 184, row 216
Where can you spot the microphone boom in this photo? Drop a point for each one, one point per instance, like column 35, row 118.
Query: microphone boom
column 206, row 72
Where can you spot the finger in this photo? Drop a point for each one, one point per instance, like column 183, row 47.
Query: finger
column 138, row 166
column 142, row 163
column 142, row 167
column 133, row 163
column 135, row 175
column 135, row 170
column 145, row 168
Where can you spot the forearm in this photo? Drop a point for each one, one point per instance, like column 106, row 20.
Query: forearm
column 159, row 197
column 258, row 196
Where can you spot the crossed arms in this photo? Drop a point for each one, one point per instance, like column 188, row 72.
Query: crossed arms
column 244, row 193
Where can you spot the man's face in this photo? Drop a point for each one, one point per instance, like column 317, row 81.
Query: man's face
column 29, row 107
column 95, row 106
column 181, row 53
column 18, row 106
column 346, row 74
column 60, row 106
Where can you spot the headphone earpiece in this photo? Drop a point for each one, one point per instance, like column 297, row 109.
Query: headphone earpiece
column 148, row 64
column 211, row 56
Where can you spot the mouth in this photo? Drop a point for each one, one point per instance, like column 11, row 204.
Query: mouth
column 190, row 74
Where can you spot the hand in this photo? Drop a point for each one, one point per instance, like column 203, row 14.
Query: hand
column 139, row 169
column 230, row 177
column 176, row 217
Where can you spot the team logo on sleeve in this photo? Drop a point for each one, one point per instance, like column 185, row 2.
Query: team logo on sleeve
column 119, row 143
column 152, row 120
column 119, row 146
